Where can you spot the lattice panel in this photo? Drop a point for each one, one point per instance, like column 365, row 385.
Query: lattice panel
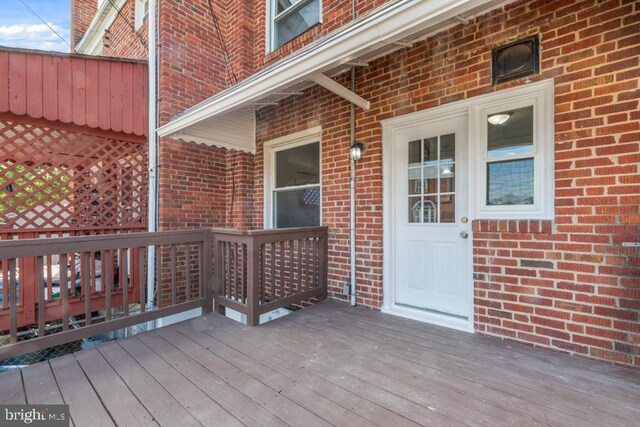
column 57, row 179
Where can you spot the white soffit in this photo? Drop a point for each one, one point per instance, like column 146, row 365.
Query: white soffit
column 392, row 26
column 234, row 130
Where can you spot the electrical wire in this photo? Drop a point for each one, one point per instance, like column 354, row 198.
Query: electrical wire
column 225, row 52
column 228, row 67
column 144, row 43
column 49, row 26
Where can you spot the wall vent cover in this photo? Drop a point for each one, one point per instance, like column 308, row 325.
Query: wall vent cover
column 515, row 60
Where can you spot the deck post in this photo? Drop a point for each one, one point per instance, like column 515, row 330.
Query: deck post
column 253, row 282
column 205, row 266
column 324, row 251
column 218, row 274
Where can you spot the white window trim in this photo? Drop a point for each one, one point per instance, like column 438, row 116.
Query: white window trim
column 140, row 16
column 270, row 27
column 541, row 97
column 270, row 149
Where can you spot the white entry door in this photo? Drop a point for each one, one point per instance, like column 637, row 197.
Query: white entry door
column 431, row 229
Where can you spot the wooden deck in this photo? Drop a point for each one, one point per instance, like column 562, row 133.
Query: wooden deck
column 326, row 365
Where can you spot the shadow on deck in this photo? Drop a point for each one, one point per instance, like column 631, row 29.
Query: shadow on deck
column 326, row 365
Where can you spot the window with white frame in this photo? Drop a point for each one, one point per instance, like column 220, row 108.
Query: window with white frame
column 141, row 12
column 290, row 18
column 292, row 179
column 515, row 174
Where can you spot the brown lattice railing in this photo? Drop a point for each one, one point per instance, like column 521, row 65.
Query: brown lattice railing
column 259, row 271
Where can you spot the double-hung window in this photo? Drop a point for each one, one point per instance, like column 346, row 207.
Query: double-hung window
column 292, row 178
column 290, row 18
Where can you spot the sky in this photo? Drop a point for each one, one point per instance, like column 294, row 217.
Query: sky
column 21, row 28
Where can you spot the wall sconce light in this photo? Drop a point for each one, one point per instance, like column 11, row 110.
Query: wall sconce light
column 498, row 119
column 356, row 150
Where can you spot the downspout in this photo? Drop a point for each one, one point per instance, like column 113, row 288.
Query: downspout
column 352, row 183
column 153, row 152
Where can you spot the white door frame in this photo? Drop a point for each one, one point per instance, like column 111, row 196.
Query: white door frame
column 390, row 128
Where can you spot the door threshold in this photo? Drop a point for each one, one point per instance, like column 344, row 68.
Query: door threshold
column 459, row 323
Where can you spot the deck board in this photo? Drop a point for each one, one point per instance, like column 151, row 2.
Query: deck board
column 341, row 398
column 121, row 403
column 40, row 384
column 291, row 388
column 165, row 409
column 561, row 393
column 272, row 400
column 326, row 365
column 84, row 404
column 11, row 388
column 194, row 399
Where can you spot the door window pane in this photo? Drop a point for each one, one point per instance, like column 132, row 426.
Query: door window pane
column 447, row 179
column 512, row 137
column 448, row 208
column 297, row 208
column 430, row 209
column 430, row 150
column 414, row 153
column 415, row 203
column 448, row 148
column 415, row 181
column 510, row 183
column 298, row 166
column 434, row 180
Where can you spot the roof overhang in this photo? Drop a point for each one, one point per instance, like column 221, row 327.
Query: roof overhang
column 395, row 25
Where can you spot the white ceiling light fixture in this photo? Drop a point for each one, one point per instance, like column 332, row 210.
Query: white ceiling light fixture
column 498, row 119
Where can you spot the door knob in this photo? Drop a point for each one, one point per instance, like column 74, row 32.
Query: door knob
column 464, row 234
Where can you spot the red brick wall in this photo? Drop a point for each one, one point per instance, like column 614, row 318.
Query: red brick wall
column 240, row 190
column 567, row 284
column 121, row 40
column 192, row 185
column 82, row 12
column 191, row 59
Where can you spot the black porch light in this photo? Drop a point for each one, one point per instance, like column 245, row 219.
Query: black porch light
column 356, row 150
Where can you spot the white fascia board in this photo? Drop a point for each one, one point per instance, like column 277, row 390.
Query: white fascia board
column 389, row 23
column 91, row 42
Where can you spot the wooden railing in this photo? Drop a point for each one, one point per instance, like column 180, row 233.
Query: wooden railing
column 27, row 272
column 262, row 270
column 100, row 281
column 109, row 298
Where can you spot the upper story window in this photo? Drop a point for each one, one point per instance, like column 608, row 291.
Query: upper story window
column 141, row 12
column 290, row 18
